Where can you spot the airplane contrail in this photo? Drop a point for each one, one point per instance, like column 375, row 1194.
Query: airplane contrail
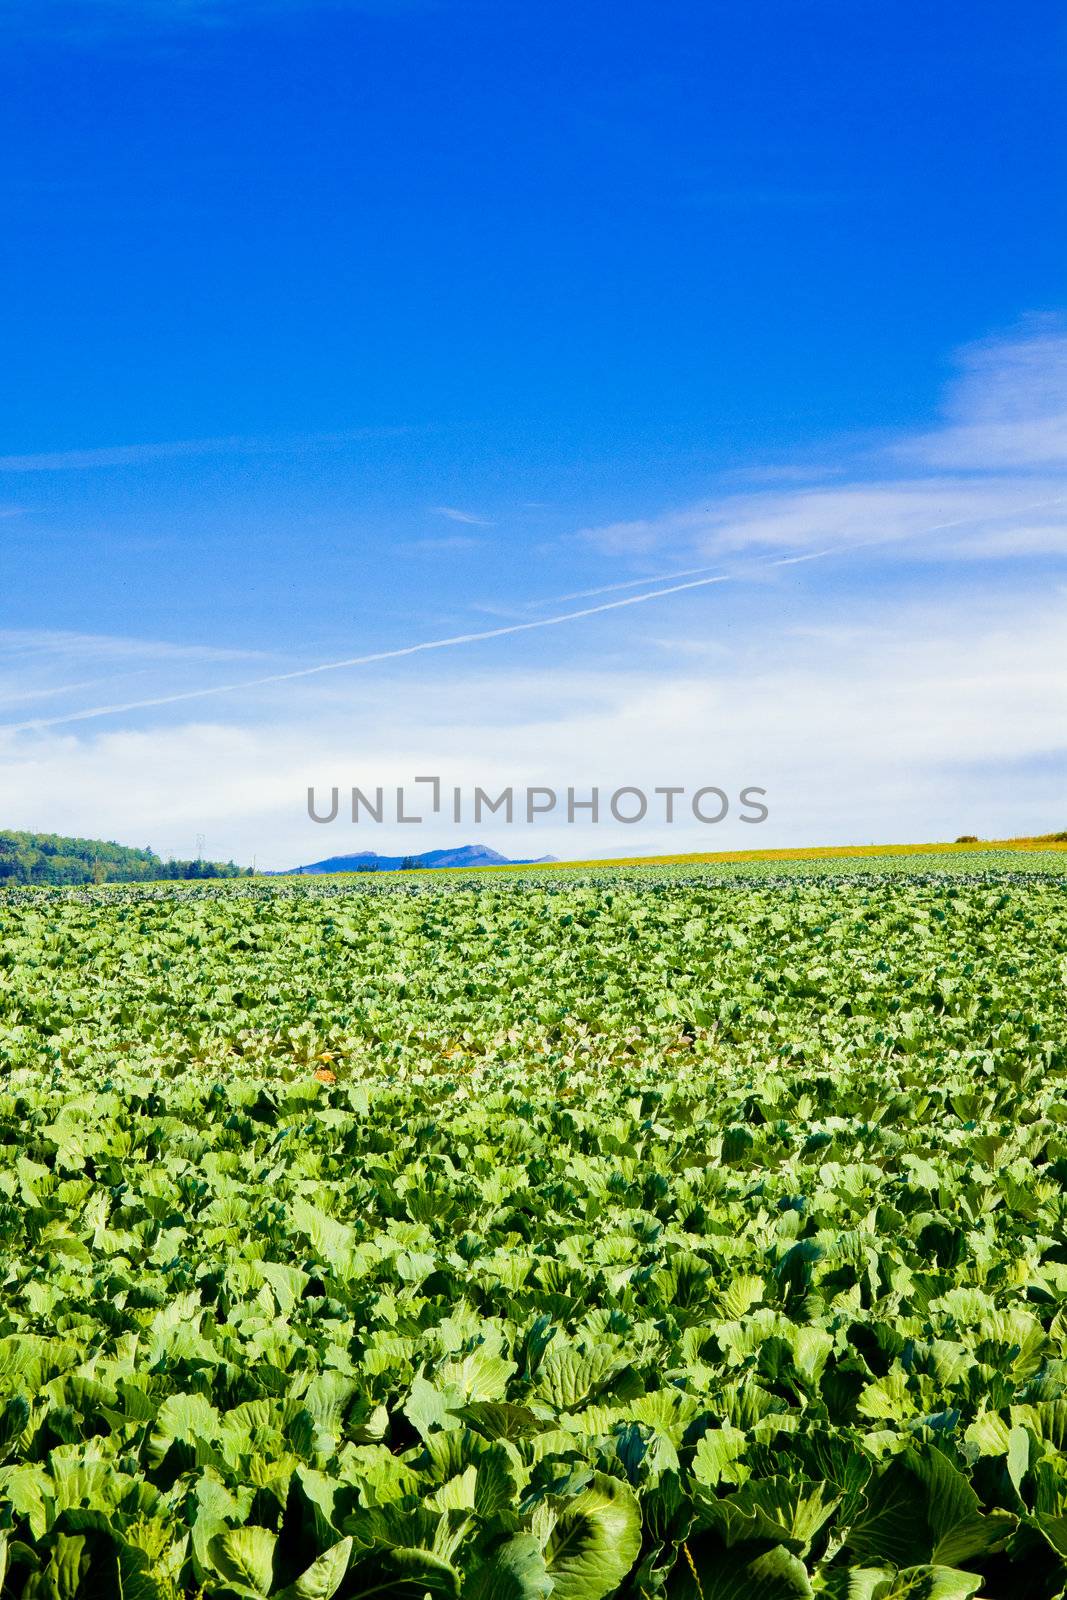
column 631, row 583
column 355, row 661
column 456, row 639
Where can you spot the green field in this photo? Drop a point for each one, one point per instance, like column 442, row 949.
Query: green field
column 685, row 1231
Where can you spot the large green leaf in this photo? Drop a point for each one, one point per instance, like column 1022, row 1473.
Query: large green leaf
column 710, row 1572
column 183, row 1418
column 922, row 1509
column 498, row 1419
column 782, row 1511
column 60, row 1578
column 245, row 1557
column 515, row 1571
column 407, row 1572
column 595, row 1541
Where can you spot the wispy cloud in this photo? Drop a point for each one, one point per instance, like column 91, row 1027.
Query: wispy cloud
column 990, row 482
column 455, row 515
column 935, row 518
column 871, row 727
column 133, row 455
column 997, row 512
column 450, row 642
column 1007, row 410
column 449, row 544
column 50, row 664
column 371, row 658
column 834, row 721
column 54, row 644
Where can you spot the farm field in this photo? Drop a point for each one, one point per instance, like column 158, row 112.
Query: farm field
column 843, row 853
column 684, row 1231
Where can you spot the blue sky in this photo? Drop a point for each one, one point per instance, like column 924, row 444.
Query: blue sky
column 331, row 328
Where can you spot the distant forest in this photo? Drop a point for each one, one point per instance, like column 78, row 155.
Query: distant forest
column 49, row 858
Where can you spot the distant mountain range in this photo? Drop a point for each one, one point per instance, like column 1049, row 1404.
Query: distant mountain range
column 467, row 855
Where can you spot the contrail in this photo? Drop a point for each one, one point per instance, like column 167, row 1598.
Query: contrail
column 470, row 638
column 391, row 655
column 691, row 572
column 357, row 661
column 631, row 583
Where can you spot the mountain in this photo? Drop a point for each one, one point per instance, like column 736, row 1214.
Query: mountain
column 467, row 855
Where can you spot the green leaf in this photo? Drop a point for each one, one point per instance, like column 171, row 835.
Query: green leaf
column 498, row 1419
column 716, row 1452
column 332, row 1241
column 740, row 1575
column 287, row 1283
column 185, row 1418
column 245, row 1556
column 428, row 1408
column 137, row 1578
column 13, row 1419
column 516, row 1571
column 567, row 1376
column 1018, row 1458
column 323, row 1578
column 910, row 1583
column 953, row 1510
column 29, row 1492
column 61, row 1578
column 409, row 1570
column 310, row 1510
column 923, row 1510
column 781, row 1510
column 595, row 1541
column 481, row 1375
column 495, row 1487
column 328, row 1397
column 210, row 1507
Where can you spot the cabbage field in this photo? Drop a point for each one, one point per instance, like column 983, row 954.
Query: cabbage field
column 669, row 1232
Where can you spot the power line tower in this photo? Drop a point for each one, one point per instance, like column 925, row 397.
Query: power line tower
column 200, row 843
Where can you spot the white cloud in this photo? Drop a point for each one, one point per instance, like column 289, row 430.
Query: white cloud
column 58, row 643
column 49, row 664
column 158, row 701
column 933, row 518
column 908, row 723
column 888, row 715
column 455, row 515
column 1007, row 410
column 990, row 482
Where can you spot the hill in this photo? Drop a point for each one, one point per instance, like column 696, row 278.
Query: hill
column 51, row 858
column 467, row 855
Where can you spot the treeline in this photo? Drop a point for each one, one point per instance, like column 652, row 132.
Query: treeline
column 50, row 858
